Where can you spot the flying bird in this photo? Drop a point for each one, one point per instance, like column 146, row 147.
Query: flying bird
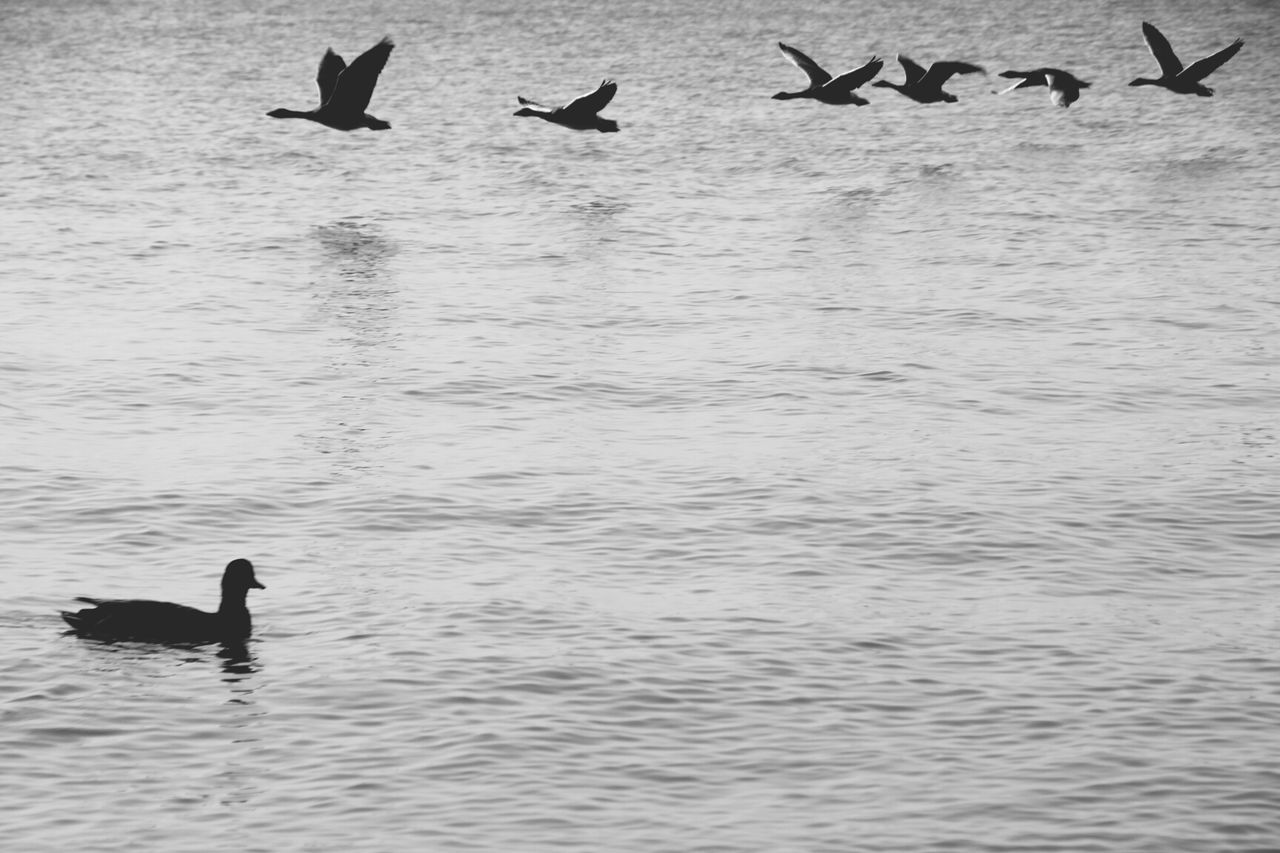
column 1064, row 88
column 825, row 88
column 345, row 90
column 926, row 86
column 578, row 114
column 1175, row 78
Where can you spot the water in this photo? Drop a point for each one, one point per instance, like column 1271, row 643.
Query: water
column 763, row 477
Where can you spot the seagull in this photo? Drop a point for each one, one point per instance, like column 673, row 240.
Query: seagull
column 825, row 88
column 578, row 114
column 926, row 86
column 345, row 90
column 1175, row 78
column 1064, row 89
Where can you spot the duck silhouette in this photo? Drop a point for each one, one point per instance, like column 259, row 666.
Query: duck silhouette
column 1064, row 88
column 161, row 621
column 578, row 114
column 1175, row 78
column 925, row 87
column 345, row 90
column 825, row 88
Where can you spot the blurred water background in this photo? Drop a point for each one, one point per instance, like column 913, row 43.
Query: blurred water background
column 766, row 476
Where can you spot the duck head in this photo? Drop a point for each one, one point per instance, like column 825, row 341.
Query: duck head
column 239, row 576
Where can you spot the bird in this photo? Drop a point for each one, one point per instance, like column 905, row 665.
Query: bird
column 825, row 88
column 578, row 114
column 926, row 86
column 1175, row 78
column 1064, row 88
column 345, row 90
column 161, row 621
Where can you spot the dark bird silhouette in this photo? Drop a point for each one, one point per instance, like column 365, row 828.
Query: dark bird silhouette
column 825, row 88
column 578, row 114
column 1175, row 78
column 926, row 86
column 1064, row 89
column 345, row 90
column 160, row 621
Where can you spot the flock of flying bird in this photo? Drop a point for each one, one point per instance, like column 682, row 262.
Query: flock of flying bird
column 345, row 90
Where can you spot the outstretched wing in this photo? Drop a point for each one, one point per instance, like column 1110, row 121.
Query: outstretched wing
column 1170, row 65
column 851, row 80
column 1024, row 78
column 528, row 103
column 941, row 72
column 913, row 70
column 331, row 66
column 817, row 76
column 354, row 87
column 593, row 102
column 1202, row 68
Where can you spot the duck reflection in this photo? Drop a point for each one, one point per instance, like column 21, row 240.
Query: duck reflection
column 237, row 661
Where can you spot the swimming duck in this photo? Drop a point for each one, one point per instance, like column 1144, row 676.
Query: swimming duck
column 345, row 90
column 925, row 87
column 578, row 114
column 160, row 621
column 825, row 88
column 1175, row 78
column 1064, row 89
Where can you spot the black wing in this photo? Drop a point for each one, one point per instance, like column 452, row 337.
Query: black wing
column 860, row 76
column 1202, row 68
column 1170, row 65
column 941, row 72
column 593, row 102
column 354, row 87
column 327, row 77
column 1025, row 79
column 913, row 69
column 816, row 73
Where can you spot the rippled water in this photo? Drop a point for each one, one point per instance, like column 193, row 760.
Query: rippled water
column 763, row 477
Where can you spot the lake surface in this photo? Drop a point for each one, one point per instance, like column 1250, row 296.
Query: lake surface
column 767, row 476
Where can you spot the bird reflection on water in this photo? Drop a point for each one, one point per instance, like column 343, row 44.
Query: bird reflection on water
column 235, row 657
column 354, row 291
column 237, row 660
column 355, row 249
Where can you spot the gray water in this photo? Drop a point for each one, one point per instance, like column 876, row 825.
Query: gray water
column 766, row 476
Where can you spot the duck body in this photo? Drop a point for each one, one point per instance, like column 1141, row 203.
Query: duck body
column 1173, row 76
column 822, row 86
column 162, row 621
column 578, row 114
column 925, row 87
column 345, row 90
column 1064, row 88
